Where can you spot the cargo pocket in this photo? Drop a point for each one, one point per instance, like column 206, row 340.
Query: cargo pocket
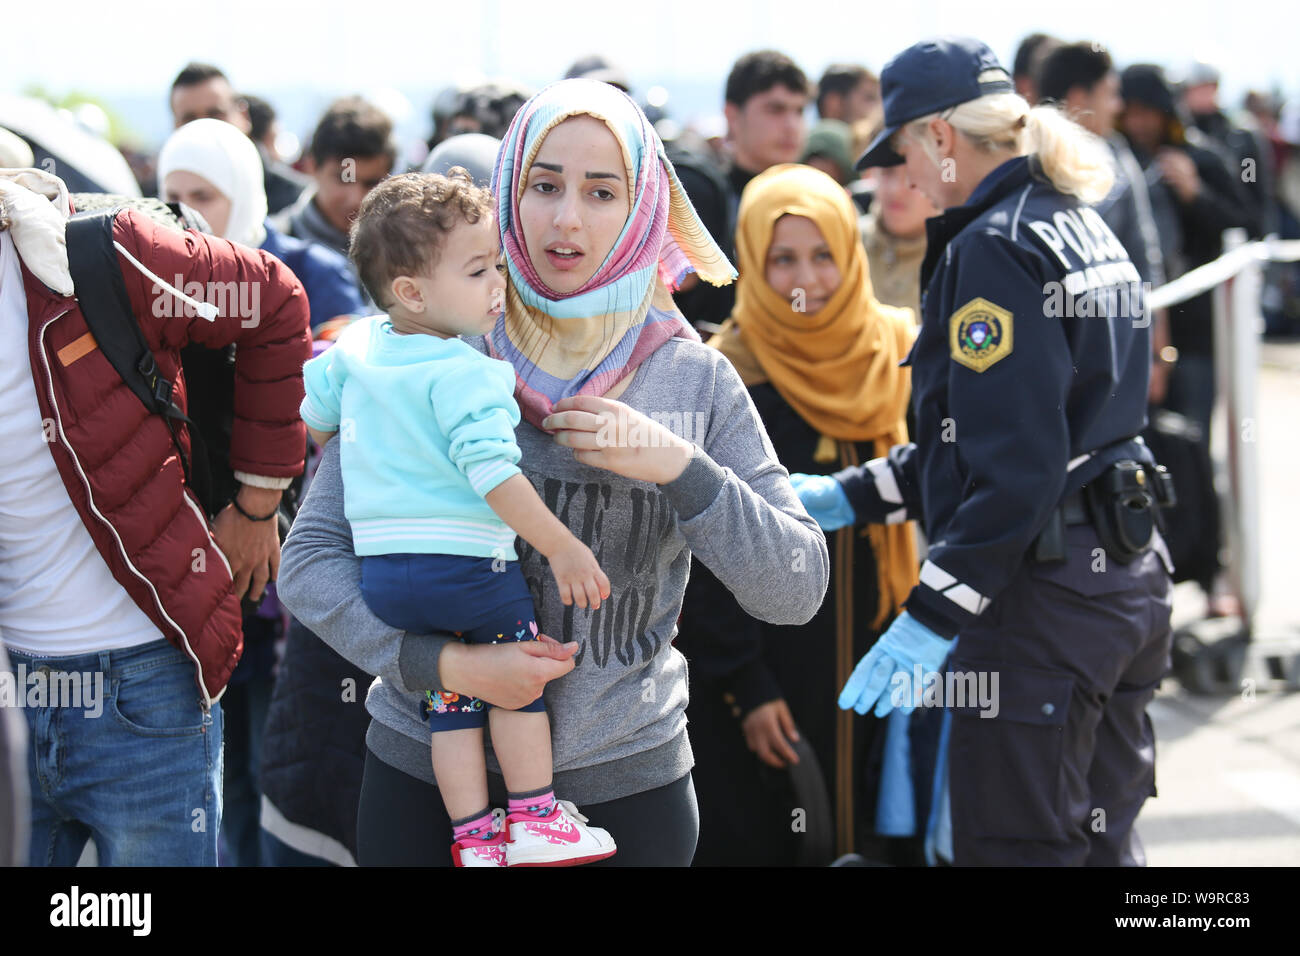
column 1005, row 753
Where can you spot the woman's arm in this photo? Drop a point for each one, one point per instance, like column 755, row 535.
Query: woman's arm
column 320, row 583
column 741, row 517
column 734, row 502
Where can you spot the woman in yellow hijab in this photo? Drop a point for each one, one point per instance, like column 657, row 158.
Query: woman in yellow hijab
column 820, row 357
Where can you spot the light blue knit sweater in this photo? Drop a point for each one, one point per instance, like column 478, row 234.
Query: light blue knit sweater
column 426, row 429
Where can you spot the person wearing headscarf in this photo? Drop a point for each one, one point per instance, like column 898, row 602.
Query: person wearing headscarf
column 214, row 168
column 822, row 366
column 641, row 440
column 586, row 341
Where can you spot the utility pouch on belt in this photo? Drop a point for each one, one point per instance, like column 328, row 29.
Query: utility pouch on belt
column 1122, row 504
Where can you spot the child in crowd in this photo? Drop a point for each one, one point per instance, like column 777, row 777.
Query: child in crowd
column 435, row 498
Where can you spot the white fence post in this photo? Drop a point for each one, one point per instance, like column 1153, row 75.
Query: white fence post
column 1237, row 325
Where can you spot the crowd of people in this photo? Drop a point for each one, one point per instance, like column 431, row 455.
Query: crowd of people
column 290, row 705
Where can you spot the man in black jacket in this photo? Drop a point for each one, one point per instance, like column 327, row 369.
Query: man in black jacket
column 1206, row 200
column 1196, row 196
column 766, row 94
column 352, row 150
column 1248, row 154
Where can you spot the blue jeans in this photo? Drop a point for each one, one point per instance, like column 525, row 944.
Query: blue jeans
column 135, row 766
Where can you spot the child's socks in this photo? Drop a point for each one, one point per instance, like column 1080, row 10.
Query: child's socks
column 476, row 826
column 534, row 803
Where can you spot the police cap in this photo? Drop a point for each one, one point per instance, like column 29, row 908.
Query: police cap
column 929, row 77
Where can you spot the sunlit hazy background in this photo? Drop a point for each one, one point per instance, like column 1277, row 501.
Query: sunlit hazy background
column 401, row 53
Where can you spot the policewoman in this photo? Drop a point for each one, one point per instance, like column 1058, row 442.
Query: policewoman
column 1046, row 578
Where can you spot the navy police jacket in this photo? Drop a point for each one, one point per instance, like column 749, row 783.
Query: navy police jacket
column 1029, row 377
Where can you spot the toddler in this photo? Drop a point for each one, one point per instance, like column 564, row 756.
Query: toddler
column 435, row 498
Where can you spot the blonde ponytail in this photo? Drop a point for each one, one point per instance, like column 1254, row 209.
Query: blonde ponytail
column 1075, row 160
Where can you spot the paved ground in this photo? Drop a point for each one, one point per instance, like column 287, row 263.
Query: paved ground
column 1228, row 768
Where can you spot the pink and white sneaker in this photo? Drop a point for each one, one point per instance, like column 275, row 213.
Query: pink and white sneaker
column 560, row 839
column 475, row 852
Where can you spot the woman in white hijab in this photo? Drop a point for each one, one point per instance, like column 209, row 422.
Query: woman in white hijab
column 215, row 169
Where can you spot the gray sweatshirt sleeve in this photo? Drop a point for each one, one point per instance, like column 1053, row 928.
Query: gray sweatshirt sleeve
column 741, row 516
column 320, row 583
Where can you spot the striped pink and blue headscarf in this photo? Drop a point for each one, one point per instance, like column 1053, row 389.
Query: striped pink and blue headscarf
column 624, row 312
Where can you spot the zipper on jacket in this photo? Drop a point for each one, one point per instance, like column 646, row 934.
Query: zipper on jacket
column 208, row 700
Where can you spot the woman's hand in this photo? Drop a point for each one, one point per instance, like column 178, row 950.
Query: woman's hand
column 769, row 729
column 610, row 435
column 505, row 675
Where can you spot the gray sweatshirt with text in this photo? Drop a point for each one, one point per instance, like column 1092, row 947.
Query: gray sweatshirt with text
column 618, row 720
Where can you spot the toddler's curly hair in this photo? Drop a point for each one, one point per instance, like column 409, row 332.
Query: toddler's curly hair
column 404, row 221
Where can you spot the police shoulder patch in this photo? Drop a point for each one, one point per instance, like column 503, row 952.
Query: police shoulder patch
column 979, row 334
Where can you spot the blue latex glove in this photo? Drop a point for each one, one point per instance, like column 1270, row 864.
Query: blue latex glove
column 905, row 644
column 825, row 500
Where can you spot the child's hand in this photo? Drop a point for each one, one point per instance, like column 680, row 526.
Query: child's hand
column 580, row 579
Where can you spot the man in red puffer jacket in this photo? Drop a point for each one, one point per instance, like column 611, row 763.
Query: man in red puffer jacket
column 119, row 602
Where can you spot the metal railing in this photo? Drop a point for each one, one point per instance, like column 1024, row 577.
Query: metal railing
column 1236, row 280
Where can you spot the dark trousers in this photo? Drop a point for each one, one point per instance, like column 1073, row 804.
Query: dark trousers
column 1191, row 391
column 245, row 705
column 1059, row 775
column 276, row 852
column 402, row 821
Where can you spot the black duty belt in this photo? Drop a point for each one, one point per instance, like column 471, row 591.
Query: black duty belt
column 1122, row 504
column 1075, row 510
column 1049, row 547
